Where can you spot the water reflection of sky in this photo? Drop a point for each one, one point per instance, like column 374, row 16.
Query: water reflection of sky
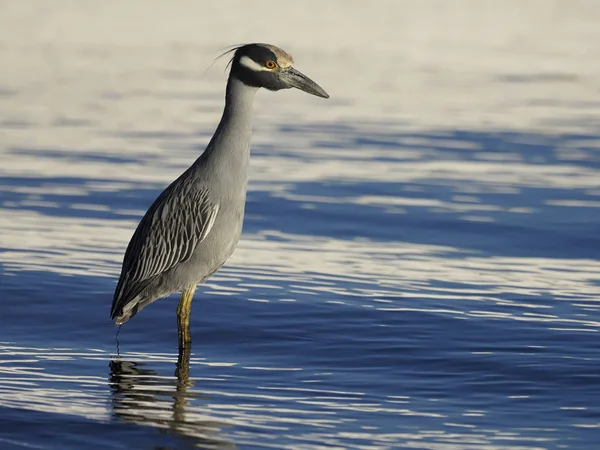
column 416, row 269
column 215, row 410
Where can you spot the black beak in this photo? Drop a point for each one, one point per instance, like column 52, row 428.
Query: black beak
column 295, row 79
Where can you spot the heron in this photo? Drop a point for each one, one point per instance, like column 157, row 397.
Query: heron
column 195, row 224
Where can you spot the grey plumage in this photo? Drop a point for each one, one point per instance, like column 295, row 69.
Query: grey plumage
column 195, row 224
column 167, row 236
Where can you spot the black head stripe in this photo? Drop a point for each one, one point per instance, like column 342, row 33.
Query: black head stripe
column 260, row 55
column 255, row 52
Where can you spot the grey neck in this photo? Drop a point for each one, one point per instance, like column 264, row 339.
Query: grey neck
column 232, row 139
column 239, row 97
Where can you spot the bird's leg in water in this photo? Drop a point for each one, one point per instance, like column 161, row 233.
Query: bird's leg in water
column 182, row 373
column 183, row 316
column 182, row 370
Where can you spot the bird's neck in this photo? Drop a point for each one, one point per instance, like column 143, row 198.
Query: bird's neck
column 239, row 98
column 232, row 138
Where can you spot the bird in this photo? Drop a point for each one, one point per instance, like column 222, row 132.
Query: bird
column 195, row 224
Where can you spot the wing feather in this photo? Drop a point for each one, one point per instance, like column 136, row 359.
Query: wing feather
column 179, row 226
column 167, row 235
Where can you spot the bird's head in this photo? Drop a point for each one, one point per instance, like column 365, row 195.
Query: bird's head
column 267, row 66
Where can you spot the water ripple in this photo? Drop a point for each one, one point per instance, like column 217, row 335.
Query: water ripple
column 419, row 264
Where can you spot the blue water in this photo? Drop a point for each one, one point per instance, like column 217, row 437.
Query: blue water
column 419, row 263
column 352, row 360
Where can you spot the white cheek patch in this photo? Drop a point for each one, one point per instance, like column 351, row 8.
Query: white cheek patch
column 252, row 65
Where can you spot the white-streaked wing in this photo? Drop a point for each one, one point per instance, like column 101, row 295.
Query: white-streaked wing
column 170, row 234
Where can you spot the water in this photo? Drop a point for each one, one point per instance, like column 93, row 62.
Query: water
column 419, row 265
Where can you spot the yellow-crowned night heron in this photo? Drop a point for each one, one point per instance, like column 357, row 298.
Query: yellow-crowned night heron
column 195, row 224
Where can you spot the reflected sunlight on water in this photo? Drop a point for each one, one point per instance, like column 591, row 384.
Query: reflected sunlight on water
column 419, row 265
column 201, row 410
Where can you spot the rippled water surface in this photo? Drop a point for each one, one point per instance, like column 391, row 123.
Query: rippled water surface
column 419, row 264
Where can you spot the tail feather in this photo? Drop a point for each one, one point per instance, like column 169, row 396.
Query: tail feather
column 126, row 312
column 131, row 309
column 123, row 311
column 128, row 300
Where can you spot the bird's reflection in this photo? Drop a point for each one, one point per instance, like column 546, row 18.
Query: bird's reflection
column 144, row 397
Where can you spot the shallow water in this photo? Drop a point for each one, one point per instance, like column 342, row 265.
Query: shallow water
column 419, row 264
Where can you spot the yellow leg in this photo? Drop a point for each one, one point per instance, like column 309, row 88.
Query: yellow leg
column 183, row 317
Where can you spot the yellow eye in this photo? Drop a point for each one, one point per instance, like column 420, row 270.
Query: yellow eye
column 270, row 64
